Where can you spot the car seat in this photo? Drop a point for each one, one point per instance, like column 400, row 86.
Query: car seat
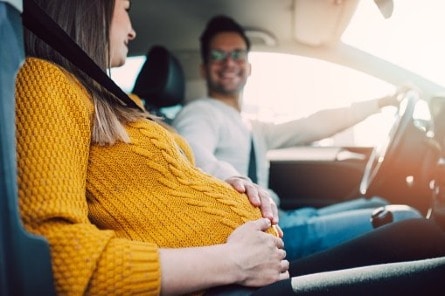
column 25, row 262
column 160, row 82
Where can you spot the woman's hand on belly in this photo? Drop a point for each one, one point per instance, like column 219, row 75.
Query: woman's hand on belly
column 259, row 256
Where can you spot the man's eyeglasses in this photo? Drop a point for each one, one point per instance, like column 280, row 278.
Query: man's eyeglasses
column 237, row 55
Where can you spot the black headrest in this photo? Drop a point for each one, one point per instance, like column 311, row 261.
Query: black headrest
column 160, row 83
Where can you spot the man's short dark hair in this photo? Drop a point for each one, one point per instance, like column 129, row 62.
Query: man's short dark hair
column 216, row 25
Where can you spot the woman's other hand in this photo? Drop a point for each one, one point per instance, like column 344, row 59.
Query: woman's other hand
column 259, row 256
column 258, row 196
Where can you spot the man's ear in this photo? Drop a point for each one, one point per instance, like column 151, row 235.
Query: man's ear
column 203, row 71
column 249, row 69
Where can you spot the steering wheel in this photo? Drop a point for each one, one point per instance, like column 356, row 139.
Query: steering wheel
column 383, row 156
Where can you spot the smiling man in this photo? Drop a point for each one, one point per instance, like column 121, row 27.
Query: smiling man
column 227, row 145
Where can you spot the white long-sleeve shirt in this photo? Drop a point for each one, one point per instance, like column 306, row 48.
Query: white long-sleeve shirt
column 220, row 137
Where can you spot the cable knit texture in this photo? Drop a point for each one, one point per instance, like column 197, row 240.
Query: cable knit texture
column 105, row 210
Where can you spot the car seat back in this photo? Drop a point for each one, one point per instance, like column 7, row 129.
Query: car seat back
column 160, row 82
column 25, row 263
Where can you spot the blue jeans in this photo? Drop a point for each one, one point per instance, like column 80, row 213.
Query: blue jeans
column 310, row 230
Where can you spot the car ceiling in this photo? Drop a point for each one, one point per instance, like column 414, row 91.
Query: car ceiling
column 177, row 24
column 272, row 25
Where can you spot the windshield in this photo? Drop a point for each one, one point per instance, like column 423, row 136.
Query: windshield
column 413, row 37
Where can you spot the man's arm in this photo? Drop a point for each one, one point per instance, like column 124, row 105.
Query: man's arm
column 325, row 123
column 200, row 127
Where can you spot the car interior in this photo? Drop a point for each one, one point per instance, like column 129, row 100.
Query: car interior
column 407, row 167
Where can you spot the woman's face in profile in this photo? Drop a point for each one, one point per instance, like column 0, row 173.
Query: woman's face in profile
column 121, row 33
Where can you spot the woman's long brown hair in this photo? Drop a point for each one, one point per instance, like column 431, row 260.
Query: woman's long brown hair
column 88, row 23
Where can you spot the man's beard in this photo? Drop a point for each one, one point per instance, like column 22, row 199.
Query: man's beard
column 221, row 89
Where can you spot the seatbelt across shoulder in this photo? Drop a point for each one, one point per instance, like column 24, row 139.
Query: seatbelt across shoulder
column 252, row 170
column 37, row 21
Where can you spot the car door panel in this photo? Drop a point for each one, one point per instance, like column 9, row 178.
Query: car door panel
column 316, row 176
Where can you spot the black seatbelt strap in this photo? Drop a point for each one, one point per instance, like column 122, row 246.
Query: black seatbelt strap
column 37, row 21
column 252, row 173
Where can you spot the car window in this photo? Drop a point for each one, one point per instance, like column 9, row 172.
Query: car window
column 283, row 87
column 125, row 76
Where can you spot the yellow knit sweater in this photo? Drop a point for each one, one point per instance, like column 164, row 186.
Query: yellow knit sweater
column 105, row 210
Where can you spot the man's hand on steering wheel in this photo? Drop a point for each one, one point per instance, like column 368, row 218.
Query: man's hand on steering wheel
column 395, row 98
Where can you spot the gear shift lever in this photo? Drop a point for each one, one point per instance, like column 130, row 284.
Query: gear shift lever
column 381, row 216
column 438, row 206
